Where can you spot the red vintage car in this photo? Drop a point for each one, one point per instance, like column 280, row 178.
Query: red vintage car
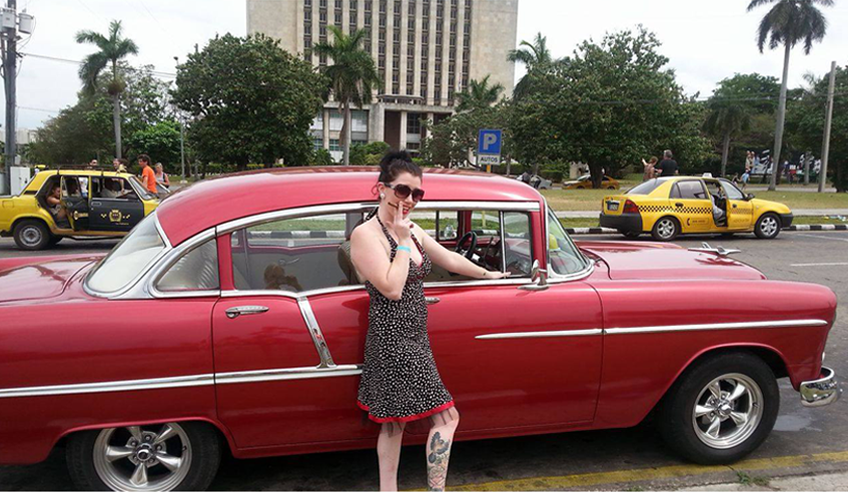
column 231, row 320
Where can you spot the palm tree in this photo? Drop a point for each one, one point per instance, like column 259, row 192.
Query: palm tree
column 353, row 75
column 478, row 95
column 112, row 49
column 536, row 57
column 788, row 23
column 726, row 120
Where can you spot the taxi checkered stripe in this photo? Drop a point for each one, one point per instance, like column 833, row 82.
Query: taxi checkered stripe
column 667, row 208
column 654, row 208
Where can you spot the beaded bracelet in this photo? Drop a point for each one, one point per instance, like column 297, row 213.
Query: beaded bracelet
column 404, row 248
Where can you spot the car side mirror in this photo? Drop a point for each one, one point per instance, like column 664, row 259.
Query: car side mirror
column 539, row 276
column 749, row 196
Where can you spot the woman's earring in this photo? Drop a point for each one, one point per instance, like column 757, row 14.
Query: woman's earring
column 382, row 196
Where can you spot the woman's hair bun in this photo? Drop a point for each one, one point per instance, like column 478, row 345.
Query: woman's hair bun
column 396, row 162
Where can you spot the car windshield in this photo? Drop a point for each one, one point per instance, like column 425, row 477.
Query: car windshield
column 564, row 257
column 128, row 259
column 141, row 190
column 645, row 188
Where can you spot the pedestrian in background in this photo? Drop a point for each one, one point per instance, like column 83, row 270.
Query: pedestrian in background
column 668, row 166
column 148, row 177
column 120, row 165
column 161, row 176
column 649, row 171
column 92, row 164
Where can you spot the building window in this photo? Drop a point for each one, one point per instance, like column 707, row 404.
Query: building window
column 413, row 123
column 317, row 143
column 413, row 147
column 335, row 145
column 323, row 4
column 397, row 8
column 338, row 18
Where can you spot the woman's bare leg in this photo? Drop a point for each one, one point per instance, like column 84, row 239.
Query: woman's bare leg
column 439, row 441
column 388, row 453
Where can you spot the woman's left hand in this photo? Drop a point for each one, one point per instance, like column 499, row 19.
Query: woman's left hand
column 496, row 275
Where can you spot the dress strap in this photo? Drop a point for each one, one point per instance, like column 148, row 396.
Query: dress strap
column 392, row 241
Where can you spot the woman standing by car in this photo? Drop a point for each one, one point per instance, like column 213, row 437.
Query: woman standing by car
column 400, row 382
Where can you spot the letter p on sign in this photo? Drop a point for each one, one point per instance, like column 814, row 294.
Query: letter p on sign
column 489, row 142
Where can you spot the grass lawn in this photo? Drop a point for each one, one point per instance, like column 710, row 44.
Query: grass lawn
column 577, row 200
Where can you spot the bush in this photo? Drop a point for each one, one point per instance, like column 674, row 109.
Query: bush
column 321, row 157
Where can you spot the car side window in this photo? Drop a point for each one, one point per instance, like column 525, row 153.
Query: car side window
column 296, row 254
column 731, row 191
column 691, row 190
column 196, row 270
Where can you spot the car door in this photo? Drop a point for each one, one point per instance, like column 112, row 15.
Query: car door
column 691, row 205
column 740, row 212
column 119, row 213
column 275, row 367
column 75, row 201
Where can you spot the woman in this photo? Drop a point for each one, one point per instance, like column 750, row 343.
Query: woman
column 649, row 172
column 400, row 382
column 54, row 202
column 161, row 176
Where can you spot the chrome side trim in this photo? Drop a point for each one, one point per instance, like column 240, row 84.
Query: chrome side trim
column 287, row 374
column 316, row 334
column 233, row 225
column 542, row 334
column 161, row 230
column 109, row 386
column 718, row 326
column 822, row 391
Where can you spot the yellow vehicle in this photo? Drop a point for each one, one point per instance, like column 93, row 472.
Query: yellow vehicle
column 94, row 204
column 666, row 207
column 585, row 183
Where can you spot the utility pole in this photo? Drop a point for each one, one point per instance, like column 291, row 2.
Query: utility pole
column 827, row 120
column 10, row 62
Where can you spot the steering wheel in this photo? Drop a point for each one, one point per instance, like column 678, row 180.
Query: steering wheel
column 468, row 253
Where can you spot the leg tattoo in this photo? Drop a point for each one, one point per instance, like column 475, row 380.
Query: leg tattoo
column 437, row 462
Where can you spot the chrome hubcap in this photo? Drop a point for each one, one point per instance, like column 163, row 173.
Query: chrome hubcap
column 768, row 226
column 727, row 411
column 665, row 228
column 31, row 236
column 153, row 458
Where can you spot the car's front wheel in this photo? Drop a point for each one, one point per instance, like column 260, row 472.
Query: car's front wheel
column 173, row 456
column 721, row 409
column 32, row 235
column 767, row 227
column 666, row 229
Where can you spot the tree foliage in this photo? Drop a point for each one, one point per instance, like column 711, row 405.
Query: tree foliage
column 478, row 95
column 609, row 105
column 250, row 101
column 537, row 59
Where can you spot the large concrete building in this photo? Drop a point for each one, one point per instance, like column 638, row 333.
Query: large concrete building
column 426, row 52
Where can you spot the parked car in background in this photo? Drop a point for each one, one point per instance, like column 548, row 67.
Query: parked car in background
column 585, row 183
column 98, row 204
column 667, row 207
column 231, row 319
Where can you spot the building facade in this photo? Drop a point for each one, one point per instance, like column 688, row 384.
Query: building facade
column 426, row 52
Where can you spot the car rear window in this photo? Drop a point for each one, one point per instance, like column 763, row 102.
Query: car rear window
column 645, row 188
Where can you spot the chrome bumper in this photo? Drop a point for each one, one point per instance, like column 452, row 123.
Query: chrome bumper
column 822, row 391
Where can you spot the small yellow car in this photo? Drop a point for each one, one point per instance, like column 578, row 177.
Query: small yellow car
column 94, row 204
column 585, row 183
column 667, row 207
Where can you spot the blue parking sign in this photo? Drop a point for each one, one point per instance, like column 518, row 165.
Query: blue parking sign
column 489, row 142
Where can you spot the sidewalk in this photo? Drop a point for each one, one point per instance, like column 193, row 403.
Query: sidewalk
column 801, row 212
column 833, row 481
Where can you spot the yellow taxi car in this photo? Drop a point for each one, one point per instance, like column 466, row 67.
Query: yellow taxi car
column 585, row 183
column 667, row 207
column 93, row 204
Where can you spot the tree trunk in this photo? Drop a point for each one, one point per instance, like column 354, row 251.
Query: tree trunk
column 346, row 134
column 508, row 164
column 116, row 120
column 781, row 117
column 725, row 150
column 807, row 159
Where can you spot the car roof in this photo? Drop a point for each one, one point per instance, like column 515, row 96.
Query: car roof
column 216, row 201
column 83, row 172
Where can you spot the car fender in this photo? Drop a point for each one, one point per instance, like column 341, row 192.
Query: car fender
column 41, row 215
column 762, row 207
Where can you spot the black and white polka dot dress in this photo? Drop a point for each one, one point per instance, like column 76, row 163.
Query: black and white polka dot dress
column 400, row 381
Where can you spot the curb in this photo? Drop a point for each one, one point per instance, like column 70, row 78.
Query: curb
column 804, row 227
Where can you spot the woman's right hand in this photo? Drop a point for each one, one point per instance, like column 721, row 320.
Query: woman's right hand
column 402, row 227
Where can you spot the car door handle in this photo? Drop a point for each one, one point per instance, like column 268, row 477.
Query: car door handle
column 432, row 300
column 678, row 205
column 96, row 204
column 235, row 312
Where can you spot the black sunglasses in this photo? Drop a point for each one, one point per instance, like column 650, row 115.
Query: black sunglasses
column 402, row 191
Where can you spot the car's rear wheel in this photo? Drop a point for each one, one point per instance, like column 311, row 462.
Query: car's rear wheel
column 173, row 456
column 768, row 226
column 32, row 235
column 721, row 409
column 666, row 229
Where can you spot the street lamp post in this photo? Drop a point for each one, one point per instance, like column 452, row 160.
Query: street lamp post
column 181, row 121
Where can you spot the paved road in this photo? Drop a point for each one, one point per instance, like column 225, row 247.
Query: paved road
column 804, row 440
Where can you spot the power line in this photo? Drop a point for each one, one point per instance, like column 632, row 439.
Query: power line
column 78, row 62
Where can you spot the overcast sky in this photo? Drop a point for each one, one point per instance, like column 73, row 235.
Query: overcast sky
column 705, row 40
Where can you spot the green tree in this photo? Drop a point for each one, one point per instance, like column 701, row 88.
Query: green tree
column 161, row 141
column 788, row 23
column 452, row 140
column 538, row 60
column 609, row 105
column 352, row 76
column 478, row 94
column 368, row 154
column 250, row 101
column 113, row 48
